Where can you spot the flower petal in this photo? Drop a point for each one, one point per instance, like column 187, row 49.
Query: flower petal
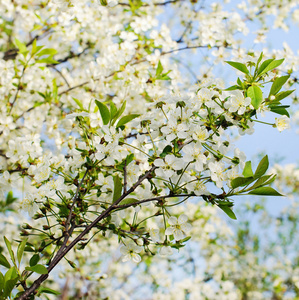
column 173, row 221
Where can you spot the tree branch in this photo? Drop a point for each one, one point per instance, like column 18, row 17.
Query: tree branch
column 102, row 216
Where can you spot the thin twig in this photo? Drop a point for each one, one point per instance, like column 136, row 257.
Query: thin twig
column 125, row 176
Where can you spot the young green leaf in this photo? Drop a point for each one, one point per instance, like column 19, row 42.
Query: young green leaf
column 40, row 269
column 117, row 188
column 277, row 84
column 113, row 110
column 119, row 112
column 264, row 65
column 2, row 282
column 233, row 88
column 283, row 95
column 20, row 250
column 128, row 201
column 262, row 181
column 47, row 291
column 34, row 260
column 8, row 246
column 239, row 66
column 228, row 211
column 47, row 51
column 247, row 172
column 256, row 95
column 21, row 46
column 241, row 181
column 126, row 119
column 262, row 167
column 104, row 111
column 280, row 110
column 79, row 103
column 258, row 61
column 47, row 60
column 11, row 277
column 265, row 191
column 4, row 262
column 159, row 69
column 269, row 65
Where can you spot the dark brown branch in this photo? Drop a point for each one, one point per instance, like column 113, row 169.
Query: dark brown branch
column 135, row 63
column 67, row 233
column 57, row 257
column 152, row 199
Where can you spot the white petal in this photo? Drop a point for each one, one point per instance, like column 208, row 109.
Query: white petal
column 169, row 231
column 136, row 257
column 186, row 227
column 124, row 250
column 182, row 219
column 172, row 221
column 126, row 257
column 178, row 234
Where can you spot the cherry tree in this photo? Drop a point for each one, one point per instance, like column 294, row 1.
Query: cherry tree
column 113, row 149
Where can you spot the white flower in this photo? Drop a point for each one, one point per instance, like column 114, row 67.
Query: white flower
column 236, row 102
column 29, row 204
column 130, row 252
column 168, row 166
column 282, row 123
column 217, row 173
column 165, row 251
column 179, row 228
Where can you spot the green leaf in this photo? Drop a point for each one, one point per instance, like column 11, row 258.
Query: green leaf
column 47, row 291
column 126, row 119
column 47, row 60
column 264, row 65
column 79, row 103
column 34, row 260
column 185, row 239
column 21, row 46
column 47, row 51
column 8, row 245
column 259, row 60
column 263, row 181
column 159, row 69
column 280, row 110
column 233, row 87
column 166, row 150
column 117, row 188
column 262, row 167
column 241, row 181
column 269, row 65
column 105, row 114
column 128, row 201
column 40, row 269
column 10, row 198
column 247, row 172
column 119, row 112
column 277, row 84
column 239, row 66
column 228, row 211
column 265, row 191
column 283, row 95
column 10, row 278
column 103, row 2
column 256, row 95
column 4, row 262
column 113, row 110
column 2, row 282
column 20, row 250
